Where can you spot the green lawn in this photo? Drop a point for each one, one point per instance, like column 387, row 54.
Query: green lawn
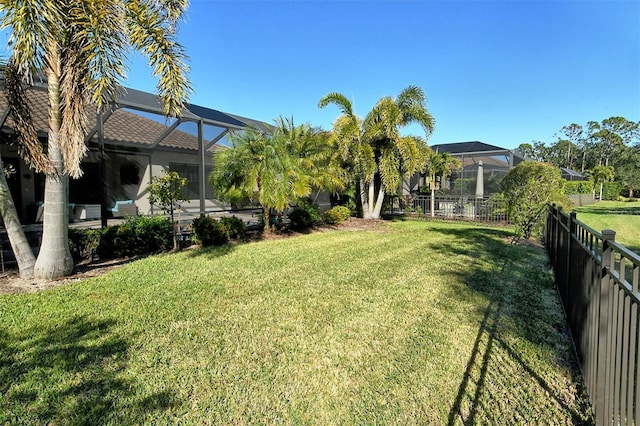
column 409, row 323
column 622, row 217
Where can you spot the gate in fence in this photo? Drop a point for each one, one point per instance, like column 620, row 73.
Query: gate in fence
column 598, row 282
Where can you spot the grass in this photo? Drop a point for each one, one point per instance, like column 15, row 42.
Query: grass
column 412, row 323
column 622, row 217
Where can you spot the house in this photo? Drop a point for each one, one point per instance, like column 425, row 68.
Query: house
column 128, row 145
column 493, row 162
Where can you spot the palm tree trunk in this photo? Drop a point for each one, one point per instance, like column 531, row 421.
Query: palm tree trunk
column 19, row 244
column 601, row 186
column 267, row 220
column 54, row 259
column 174, row 228
column 379, row 202
column 433, row 201
column 365, row 199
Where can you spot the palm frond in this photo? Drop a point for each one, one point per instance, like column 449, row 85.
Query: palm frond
column 29, row 146
column 29, row 23
column 98, row 29
column 153, row 36
column 339, row 100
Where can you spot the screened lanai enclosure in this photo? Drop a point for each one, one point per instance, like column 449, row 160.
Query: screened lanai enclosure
column 128, row 145
column 467, row 192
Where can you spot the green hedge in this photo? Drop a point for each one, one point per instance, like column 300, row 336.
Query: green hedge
column 578, row 187
column 138, row 235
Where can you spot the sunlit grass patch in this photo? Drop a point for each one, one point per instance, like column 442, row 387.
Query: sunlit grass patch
column 425, row 323
column 622, row 217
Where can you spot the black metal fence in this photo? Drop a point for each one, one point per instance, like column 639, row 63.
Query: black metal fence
column 449, row 207
column 598, row 281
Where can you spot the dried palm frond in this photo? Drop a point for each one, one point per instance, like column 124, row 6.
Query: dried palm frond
column 73, row 106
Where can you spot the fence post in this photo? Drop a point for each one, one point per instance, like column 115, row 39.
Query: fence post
column 603, row 415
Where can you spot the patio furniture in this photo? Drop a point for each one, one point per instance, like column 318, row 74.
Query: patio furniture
column 40, row 211
column 87, row 211
column 124, row 208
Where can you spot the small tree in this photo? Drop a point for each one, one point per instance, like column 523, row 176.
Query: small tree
column 602, row 174
column 439, row 164
column 528, row 188
column 275, row 169
column 166, row 192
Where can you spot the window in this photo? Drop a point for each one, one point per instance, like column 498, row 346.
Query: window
column 129, row 174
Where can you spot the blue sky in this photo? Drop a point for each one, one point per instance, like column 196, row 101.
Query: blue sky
column 502, row 72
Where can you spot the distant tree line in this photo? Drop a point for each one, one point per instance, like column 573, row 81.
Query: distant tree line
column 605, row 150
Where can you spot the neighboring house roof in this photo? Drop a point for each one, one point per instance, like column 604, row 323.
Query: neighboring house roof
column 467, row 147
column 571, row 174
column 125, row 128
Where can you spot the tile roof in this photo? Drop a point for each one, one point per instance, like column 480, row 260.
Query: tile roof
column 126, row 128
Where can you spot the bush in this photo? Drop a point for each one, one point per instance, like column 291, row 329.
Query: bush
column 83, row 243
column 578, row 187
column 611, row 190
column 337, row 214
column 149, row 234
column 138, row 235
column 304, row 217
column 209, row 231
column 528, row 188
column 236, row 228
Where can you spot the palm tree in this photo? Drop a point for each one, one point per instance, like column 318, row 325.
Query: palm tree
column 17, row 238
column 439, row 164
column 26, row 142
column 377, row 154
column 80, row 46
column 602, row 174
column 274, row 170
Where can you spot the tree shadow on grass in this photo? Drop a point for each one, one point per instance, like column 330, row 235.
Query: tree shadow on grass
column 212, row 252
column 71, row 373
column 632, row 210
column 522, row 342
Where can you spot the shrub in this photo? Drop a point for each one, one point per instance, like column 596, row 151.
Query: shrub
column 209, row 231
column 611, row 190
column 304, row 217
column 138, row 235
column 83, row 243
column 236, row 228
column 148, row 234
column 107, row 247
column 528, row 188
column 337, row 214
column 578, row 187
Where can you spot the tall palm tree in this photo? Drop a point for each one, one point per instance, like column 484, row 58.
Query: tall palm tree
column 274, row 170
column 80, row 46
column 27, row 141
column 17, row 238
column 378, row 155
column 439, row 164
